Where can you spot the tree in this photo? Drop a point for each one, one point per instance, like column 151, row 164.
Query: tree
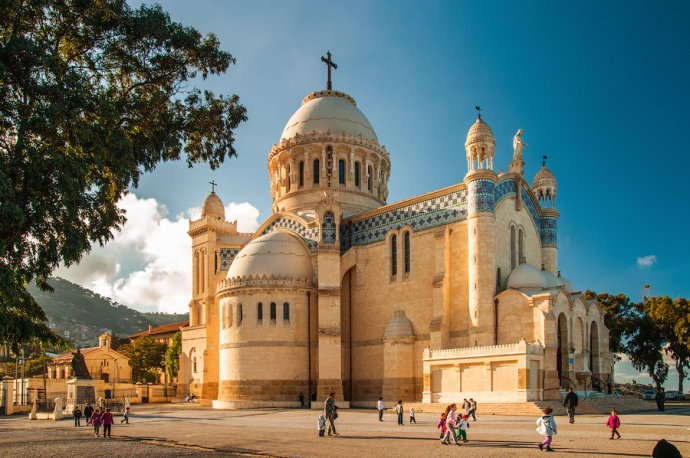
column 617, row 311
column 92, row 95
column 172, row 356
column 673, row 319
column 644, row 343
column 145, row 354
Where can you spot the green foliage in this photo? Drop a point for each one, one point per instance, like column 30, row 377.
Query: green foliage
column 172, row 356
column 144, row 354
column 150, row 376
column 617, row 311
column 32, row 367
column 645, row 341
column 92, row 95
column 673, row 319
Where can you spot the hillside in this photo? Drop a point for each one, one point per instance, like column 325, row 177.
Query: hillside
column 81, row 315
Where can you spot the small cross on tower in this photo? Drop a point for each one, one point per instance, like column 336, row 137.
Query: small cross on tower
column 330, row 64
column 543, row 163
column 479, row 112
column 213, row 185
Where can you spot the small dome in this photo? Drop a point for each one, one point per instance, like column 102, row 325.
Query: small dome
column 398, row 326
column 552, row 281
column 277, row 254
column 526, row 277
column 544, row 179
column 569, row 286
column 333, row 111
column 480, row 132
column 213, row 207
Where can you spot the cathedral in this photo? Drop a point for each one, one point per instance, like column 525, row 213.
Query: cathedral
column 451, row 294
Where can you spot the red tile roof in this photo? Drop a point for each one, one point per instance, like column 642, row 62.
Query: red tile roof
column 172, row 327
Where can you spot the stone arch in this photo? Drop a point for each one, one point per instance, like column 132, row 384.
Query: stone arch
column 594, row 349
column 563, row 350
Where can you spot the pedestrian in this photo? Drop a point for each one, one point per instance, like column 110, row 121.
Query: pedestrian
column 546, row 426
column 473, row 409
column 462, row 428
column 331, row 411
column 609, row 383
column 322, row 425
column 301, row 399
column 442, row 424
column 88, row 411
column 77, row 416
column 125, row 416
column 450, row 425
column 614, row 423
column 466, row 406
column 570, row 403
column 107, row 420
column 412, row 418
column 660, row 399
column 379, row 405
column 399, row 411
column 96, row 421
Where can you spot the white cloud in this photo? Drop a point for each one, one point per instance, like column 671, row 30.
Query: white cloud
column 646, row 261
column 148, row 263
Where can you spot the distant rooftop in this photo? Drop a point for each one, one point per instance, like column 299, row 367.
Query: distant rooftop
column 166, row 328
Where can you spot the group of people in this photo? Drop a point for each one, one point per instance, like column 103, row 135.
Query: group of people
column 327, row 419
column 97, row 417
column 449, row 421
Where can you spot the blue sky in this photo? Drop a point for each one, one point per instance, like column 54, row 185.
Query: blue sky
column 601, row 88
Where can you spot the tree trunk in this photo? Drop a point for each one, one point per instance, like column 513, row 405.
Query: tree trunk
column 681, row 375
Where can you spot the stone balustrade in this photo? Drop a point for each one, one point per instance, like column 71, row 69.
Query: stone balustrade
column 522, row 347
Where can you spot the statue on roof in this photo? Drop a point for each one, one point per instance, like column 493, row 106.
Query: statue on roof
column 517, row 146
column 79, row 366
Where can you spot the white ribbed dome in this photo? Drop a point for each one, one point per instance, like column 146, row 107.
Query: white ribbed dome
column 329, row 111
column 213, row 207
column 277, row 254
column 526, row 277
column 569, row 286
column 480, row 132
column 552, row 281
column 398, row 326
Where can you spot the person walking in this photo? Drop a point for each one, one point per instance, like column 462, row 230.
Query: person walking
column 301, row 400
column 546, row 426
column 379, row 405
column 466, row 406
column 412, row 418
column 321, row 423
column 88, row 411
column 660, row 399
column 96, row 421
column 570, row 403
column 609, row 383
column 331, row 411
column 399, row 411
column 473, row 409
column 76, row 413
column 107, row 420
column 450, row 425
column 125, row 416
column 442, row 423
column 462, row 428
column 614, row 423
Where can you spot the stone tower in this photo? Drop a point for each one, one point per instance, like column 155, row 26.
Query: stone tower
column 481, row 232
column 544, row 187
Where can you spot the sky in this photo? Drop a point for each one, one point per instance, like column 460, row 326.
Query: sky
column 601, row 88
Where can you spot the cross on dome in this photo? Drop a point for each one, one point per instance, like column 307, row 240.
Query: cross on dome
column 213, row 185
column 329, row 64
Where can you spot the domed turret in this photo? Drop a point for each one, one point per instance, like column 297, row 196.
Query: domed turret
column 545, row 186
column 213, row 207
column 552, row 281
column 526, row 277
column 480, row 146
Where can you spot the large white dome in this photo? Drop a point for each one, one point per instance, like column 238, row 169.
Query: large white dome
column 277, row 254
column 526, row 277
column 329, row 110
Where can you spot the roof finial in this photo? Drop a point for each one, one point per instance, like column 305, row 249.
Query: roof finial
column 543, row 163
column 479, row 112
column 213, row 185
column 329, row 64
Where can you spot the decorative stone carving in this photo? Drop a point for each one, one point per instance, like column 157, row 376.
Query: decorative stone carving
column 518, row 144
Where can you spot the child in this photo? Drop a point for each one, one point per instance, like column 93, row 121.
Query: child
column 450, row 425
column 399, row 410
column 442, row 424
column 322, row 425
column 125, row 417
column 462, row 428
column 547, row 427
column 96, row 421
column 614, row 423
column 412, row 419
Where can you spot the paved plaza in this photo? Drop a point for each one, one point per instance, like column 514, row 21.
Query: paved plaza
column 189, row 430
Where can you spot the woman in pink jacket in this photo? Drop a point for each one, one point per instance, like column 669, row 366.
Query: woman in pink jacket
column 107, row 419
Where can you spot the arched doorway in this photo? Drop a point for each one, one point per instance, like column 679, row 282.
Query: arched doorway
column 562, row 363
column 346, row 300
column 594, row 349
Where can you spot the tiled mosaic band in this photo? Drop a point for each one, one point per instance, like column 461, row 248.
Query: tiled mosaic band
column 309, row 235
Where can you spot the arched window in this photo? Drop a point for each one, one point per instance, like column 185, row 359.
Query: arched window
column 259, row 313
column 301, row 174
column 273, row 311
column 369, row 178
column 341, row 171
column 194, row 364
column 316, row 171
column 239, row 315
column 394, row 255
column 513, row 263
column 521, row 250
column 224, row 316
column 357, row 174
column 289, row 171
column 407, row 251
column 286, row 312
